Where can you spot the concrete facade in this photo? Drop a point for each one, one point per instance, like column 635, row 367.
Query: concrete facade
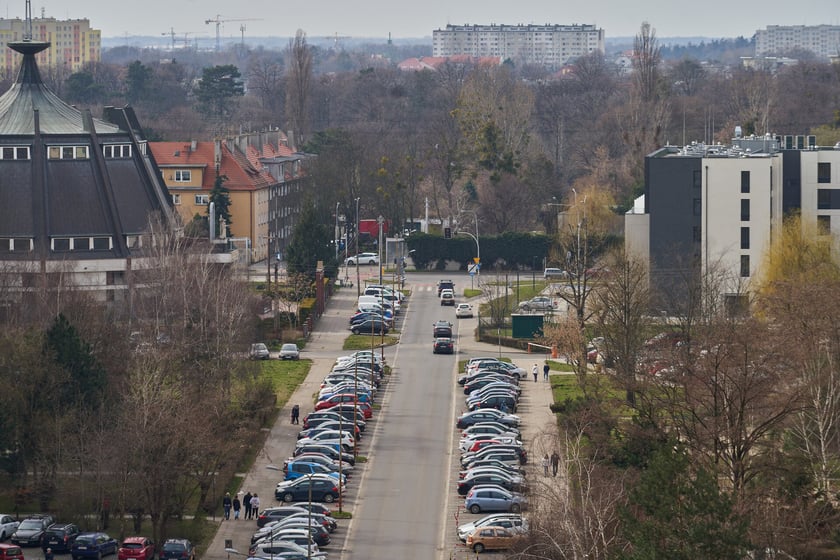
column 822, row 40
column 73, row 43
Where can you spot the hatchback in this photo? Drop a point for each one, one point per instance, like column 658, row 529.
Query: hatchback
column 289, row 352
column 8, row 525
column 259, row 351
column 136, row 548
column 180, row 549
column 317, row 488
column 463, row 310
column 60, row 536
column 370, row 326
column 492, row 538
column 512, row 521
column 493, row 499
column 447, row 297
column 11, row 552
column 93, row 545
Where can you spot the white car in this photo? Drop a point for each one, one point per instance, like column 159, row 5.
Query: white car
column 8, row 525
column 463, row 310
column 362, row 258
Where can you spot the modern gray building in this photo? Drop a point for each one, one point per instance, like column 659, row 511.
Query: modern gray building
column 547, row 45
column 710, row 212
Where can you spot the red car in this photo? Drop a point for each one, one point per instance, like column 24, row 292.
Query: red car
column 136, row 548
column 10, row 552
column 343, row 398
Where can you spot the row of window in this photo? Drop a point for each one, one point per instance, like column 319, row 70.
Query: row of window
column 110, row 151
column 57, row 244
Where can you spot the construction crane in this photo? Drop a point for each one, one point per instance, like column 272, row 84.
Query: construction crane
column 172, row 33
column 219, row 20
column 335, row 38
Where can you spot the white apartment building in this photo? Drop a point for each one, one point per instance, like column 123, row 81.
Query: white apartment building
column 547, row 45
column 822, row 40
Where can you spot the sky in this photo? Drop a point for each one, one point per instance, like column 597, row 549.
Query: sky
column 378, row 18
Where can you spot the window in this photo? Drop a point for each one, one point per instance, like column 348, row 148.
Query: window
column 697, row 234
column 14, row 152
column 81, row 243
column 745, row 209
column 824, row 225
column 176, row 199
column 745, row 266
column 182, row 176
column 824, row 172
column 61, row 244
column 117, row 151
column 67, row 152
column 697, row 179
column 102, row 244
column 202, row 199
column 698, row 207
column 745, row 181
column 745, row 238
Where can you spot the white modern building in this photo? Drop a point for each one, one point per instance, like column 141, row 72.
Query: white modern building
column 822, row 40
column 547, row 45
column 711, row 211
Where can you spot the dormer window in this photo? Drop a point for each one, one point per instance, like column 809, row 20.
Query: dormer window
column 183, row 176
column 116, row 151
column 14, row 152
column 67, row 152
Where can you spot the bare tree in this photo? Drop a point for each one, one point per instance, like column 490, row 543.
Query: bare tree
column 299, row 86
column 646, row 58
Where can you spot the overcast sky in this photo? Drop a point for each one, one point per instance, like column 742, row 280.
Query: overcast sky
column 378, row 18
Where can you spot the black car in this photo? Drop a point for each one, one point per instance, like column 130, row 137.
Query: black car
column 327, row 450
column 364, row 316
column 276, row 514
column 180, row 549
column 445, row 285
column 317, row 488
column 60, row 536
column 443, row 346
column 370, row 326
column 31, row 530
column 469, row 418
column 443, row 329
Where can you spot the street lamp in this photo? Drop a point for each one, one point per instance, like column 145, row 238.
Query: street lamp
column 358, row 282
column 337, row 235
column 380, row 220
column 477, row 252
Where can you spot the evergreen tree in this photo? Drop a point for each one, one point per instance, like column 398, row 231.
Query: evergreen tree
column 220, row 197
column 67, row 349
column 310, row 243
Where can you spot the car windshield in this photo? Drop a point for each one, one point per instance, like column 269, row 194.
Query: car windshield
column 290, row 347
column 30, row 524
column 173, row 547
column 85, row 540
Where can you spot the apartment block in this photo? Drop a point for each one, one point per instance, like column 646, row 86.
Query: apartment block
column 72, row 43
column 547, row 45
column 822, row 40
column 710, row 212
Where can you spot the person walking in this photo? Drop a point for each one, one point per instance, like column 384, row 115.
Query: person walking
column 536, row 371
column 545, row 462
column 246, row 501
column 255, row 506
column 296, row 414
column 546, row 369
column 226, row 503
column 236, row 507
column 555, row 463
column 48, row 554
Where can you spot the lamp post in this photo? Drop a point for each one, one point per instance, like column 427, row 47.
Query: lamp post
column 477, row 252
column 358, row 282
column 380, row 220
column 337, row 235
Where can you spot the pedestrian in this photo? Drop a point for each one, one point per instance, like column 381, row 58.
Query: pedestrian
column 545, row 463
column 236, row 507
column 536, row 371
column 246, row 501
column 546, row 368
column 48, row 555
column 296, row 414
column 255, row 506
column 226, row 503
column 555, row 463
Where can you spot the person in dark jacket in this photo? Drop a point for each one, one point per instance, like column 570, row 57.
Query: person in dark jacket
column 226, row 504
column 246, row 501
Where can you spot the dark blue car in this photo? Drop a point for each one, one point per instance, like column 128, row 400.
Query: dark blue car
column 93, row 545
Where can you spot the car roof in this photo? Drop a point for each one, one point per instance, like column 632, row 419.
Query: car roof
column 135, row 539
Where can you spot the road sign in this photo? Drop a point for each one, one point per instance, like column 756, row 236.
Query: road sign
column 472, row 269
column 476, row 260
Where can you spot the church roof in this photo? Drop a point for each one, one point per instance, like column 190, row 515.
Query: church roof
column 29, row 94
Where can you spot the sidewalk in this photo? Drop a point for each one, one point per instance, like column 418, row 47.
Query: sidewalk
column 325, row 344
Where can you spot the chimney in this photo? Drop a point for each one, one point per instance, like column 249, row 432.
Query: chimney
column 193, row 145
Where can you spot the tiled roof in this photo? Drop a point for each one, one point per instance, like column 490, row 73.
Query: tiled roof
column 242, row 173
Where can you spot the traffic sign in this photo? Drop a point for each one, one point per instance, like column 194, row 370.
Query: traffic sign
column 472, row 269
column 476, row 260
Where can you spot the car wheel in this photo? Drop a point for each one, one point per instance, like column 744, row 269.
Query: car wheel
column 372, row 262
column 329, row 498
column 478, row 548
column 288, row 497
column 475, row 508
column 354, row 331
column 514, row 508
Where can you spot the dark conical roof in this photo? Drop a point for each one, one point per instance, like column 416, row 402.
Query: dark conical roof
column 29, row 93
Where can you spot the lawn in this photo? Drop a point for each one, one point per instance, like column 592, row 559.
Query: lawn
column 285, row 376
column 363, row 341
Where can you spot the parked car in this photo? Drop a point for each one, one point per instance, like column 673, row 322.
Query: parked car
column 330, row 451
column 463, row 311
column 180, row 549
column 259, row 351
column 447, row 297
column 60, row 536
column 136, row 548
column 538, row 303
column 318, row 488
column 273, row 514
column 513, row 521
column 370, row 326
column 8, row 525
column 494, row 499
column 301, row 468
column 11, row 552
column 271, row 549
column 442, row 329
column 492, row 538
column 93, row 545
column 362, row 258
column 289, row 351
column 31, row 530
column 301, row 537
column 443, row 346
column 554, row 274
column 487, row 415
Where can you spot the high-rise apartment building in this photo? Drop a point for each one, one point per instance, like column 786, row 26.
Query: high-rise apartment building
column 72, row 43
column 547, row 45
column 822, row 40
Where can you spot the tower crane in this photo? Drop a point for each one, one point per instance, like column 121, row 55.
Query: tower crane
column 219, row 20
column 172, row 33
column 336, row 39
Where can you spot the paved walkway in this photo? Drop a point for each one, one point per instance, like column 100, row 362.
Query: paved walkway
column 325, row 344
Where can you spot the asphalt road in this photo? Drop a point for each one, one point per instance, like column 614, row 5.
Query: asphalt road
column 407, row 476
